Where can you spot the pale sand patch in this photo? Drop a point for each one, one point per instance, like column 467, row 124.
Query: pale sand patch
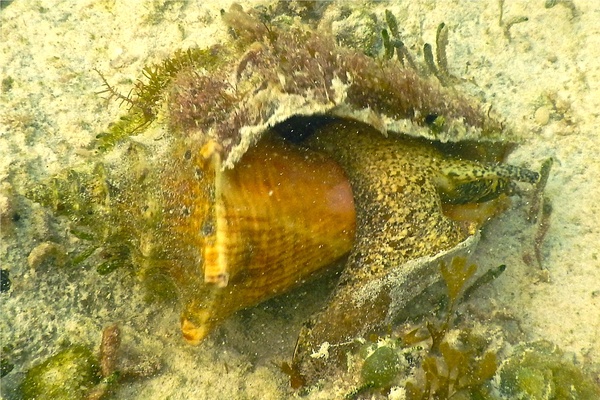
column 52, row 112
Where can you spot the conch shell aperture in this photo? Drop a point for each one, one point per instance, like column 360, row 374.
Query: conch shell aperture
column 282, row 214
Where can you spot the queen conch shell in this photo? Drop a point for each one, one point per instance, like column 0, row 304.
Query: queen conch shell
column 226, row 207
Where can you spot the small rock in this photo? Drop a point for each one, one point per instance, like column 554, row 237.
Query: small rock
column 542, row 115
column 46, row 251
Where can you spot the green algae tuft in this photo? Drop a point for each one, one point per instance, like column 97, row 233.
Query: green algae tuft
column 540, row 370
column 67, row 375
column 146, row 97
column 381, row 367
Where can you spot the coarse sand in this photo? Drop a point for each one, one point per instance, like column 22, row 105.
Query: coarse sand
column 542, row 75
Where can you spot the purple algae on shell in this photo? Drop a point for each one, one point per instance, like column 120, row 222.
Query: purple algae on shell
column 271, row 74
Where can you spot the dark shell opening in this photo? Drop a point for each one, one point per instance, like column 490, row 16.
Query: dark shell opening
column 300, row 127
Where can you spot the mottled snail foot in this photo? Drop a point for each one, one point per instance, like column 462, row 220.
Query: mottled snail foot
column 403, row 232
column 358, row 308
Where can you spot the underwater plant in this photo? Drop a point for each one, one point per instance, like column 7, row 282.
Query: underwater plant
column 454, row 374
column 444, row 357
column 380, row 368
column 76, row 373
column 67, row 375
column 424, row 361
column 540, row 370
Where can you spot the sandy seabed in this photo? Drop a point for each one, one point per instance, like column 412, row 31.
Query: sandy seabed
column 544, row 79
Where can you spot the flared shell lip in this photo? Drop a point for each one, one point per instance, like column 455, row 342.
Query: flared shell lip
column 268, row 76
column 456, row 131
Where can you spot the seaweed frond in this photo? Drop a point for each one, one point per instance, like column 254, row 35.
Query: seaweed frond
column 145, row 99
column 455, row 276
column 458, row 367
column 455, row 371
column 112, row 92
